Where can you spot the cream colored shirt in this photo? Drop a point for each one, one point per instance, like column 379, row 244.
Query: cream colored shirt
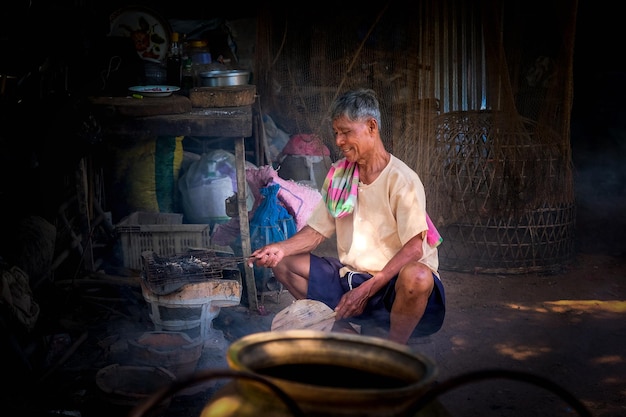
column 388, row 213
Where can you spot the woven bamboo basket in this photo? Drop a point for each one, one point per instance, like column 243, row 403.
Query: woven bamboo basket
column 502, row 193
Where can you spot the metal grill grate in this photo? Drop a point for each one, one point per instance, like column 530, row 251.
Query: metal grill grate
column 164, row 275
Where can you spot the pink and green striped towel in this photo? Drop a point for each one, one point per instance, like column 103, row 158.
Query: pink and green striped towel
column 340, row 188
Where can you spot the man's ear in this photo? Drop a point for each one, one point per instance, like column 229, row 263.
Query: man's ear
column 372, row 125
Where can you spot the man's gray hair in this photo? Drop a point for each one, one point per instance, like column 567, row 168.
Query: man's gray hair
column 356, row 105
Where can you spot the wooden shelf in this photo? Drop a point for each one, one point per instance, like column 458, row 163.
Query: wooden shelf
column 226, row 121
column 235, row 122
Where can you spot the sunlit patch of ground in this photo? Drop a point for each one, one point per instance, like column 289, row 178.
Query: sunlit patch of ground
column 564, row 306
column 521, row 352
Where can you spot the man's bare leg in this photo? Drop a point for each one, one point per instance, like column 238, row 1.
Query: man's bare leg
column 293, row 273
column 413, row 287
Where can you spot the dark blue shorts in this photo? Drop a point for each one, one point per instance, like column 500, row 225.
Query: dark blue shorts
column 327, row 286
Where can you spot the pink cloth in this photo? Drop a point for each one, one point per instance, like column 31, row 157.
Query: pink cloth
column 433, row 237
column 305, row 144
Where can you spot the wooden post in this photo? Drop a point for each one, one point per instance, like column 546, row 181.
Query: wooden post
column 244, row 225
column 83, row 211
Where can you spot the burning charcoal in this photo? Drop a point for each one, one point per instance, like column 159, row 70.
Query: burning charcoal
column 190, row 267
column 174, row 269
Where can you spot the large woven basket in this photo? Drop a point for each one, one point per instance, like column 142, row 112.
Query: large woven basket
column 502, row 193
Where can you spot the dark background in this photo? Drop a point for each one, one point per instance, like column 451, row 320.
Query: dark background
column 598, row 134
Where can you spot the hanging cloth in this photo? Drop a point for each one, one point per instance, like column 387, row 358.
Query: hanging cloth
column 433, row 237
column 340, row 188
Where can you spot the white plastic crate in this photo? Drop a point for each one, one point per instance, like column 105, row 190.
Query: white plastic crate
column 162, row 233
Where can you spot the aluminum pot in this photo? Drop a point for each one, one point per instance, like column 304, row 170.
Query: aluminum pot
column 224, row 78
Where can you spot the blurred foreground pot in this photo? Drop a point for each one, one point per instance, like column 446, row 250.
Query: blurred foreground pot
column 325, row 374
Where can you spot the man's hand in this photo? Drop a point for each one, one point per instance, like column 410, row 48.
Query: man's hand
column 304, row 241
column 353, row 302
column 268, row 256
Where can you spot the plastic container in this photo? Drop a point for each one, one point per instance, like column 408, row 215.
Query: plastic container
column 200, row 56
column 199, row 52
column 162, row 233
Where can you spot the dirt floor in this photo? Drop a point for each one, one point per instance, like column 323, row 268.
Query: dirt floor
column 566, row 328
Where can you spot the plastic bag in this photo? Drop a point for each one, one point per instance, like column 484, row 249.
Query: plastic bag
column 270, row 223
column 205, row 186
column 204, row 190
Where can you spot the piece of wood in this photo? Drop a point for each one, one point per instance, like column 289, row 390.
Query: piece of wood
column 244, row 223
column 230, row 122
column 304, row 314
column 231, row 96
column 147, row 106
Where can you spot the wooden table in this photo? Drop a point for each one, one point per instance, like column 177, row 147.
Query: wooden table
column 174, row 115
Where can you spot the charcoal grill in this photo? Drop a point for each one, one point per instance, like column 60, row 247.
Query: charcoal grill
column 165, row 275
column 186, row 291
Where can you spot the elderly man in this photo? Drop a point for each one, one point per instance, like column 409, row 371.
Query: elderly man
column 375, row 205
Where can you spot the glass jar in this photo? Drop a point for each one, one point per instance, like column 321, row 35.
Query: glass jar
column 200, row 55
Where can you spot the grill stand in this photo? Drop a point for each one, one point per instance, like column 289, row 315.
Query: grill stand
column 193, row 307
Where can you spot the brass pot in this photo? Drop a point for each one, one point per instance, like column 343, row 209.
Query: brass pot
column 325, row 374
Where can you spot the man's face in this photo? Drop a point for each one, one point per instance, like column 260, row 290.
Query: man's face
column 354, row 139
